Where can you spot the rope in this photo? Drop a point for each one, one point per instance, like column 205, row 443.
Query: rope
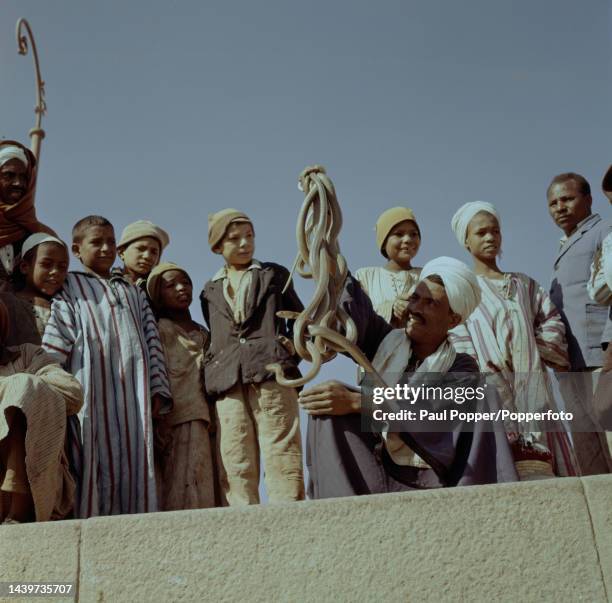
column 323, row 328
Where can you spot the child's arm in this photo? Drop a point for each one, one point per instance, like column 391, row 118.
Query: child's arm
column 158, row 380
column 204, row 304
column 61, row 331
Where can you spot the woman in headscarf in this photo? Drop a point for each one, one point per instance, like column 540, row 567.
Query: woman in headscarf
column 516, row 331
column 398, row 238
column 17, row 215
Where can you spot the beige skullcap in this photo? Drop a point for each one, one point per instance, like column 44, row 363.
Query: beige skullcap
column 390, row 218
column 141, row 229
column 606, row 184
column 218, row 223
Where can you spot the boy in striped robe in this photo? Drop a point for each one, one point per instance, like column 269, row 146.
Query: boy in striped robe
column 102, row 330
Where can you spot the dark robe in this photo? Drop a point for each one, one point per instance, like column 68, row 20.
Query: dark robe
column 343, row 460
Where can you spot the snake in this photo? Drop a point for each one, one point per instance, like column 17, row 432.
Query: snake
column 323, row 328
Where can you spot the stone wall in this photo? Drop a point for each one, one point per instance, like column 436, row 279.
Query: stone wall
column 539, row 541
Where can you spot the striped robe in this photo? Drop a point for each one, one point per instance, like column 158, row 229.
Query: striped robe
column 513, row 333
column 104, row 333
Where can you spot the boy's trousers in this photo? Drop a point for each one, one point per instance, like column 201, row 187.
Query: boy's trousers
column 254, row 418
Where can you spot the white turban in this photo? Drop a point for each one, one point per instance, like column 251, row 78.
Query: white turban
column 464, row 215
column 9, row 151
column 460, row 283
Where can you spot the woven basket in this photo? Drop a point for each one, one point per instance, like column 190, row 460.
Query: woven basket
column 533, row 470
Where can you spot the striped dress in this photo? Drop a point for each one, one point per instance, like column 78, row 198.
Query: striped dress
column 104, row 333
column 514, row 332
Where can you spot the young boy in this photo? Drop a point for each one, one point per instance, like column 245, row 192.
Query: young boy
column 240, row 305
column 140, row 248
column 103, row 331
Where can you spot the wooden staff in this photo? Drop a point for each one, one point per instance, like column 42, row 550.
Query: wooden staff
column 24, row 32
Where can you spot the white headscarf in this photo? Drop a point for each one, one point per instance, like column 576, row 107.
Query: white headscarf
column 464, row 215
column 460, row 283
column 9, row 152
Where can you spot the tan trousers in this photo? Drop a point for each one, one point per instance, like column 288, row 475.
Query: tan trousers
column 256, row 418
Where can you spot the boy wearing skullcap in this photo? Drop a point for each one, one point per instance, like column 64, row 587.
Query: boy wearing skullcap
column 254, row 413
column 140, row 248
column 186, row 465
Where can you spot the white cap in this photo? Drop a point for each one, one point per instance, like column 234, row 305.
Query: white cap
column 34, row 240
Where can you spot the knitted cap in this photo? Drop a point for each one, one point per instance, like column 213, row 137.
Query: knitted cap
column 141, row 229
column 218, row 223
column 390, row 218
column 606, row 185
column 154, row 282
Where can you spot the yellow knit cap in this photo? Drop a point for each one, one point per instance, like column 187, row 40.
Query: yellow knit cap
column 218, row 223
column 390, row 218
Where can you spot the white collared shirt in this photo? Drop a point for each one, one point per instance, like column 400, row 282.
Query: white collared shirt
column 238, row 302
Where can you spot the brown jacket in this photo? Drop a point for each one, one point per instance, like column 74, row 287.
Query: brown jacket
column 239, row 353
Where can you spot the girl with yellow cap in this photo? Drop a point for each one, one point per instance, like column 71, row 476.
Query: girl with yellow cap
column 398, row 238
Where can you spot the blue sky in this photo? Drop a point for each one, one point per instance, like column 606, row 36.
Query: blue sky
column 170, row 110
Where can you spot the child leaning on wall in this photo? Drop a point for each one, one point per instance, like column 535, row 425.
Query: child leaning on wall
column 240, row 305
column 186, row 467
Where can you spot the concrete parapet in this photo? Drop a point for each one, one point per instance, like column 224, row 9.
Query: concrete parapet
column 538, row 541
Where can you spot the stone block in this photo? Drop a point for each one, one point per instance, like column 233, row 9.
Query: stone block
column 529, row 541
column 598, row 491
column 40, row 552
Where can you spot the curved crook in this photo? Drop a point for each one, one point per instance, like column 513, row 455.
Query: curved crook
column 24, row 31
